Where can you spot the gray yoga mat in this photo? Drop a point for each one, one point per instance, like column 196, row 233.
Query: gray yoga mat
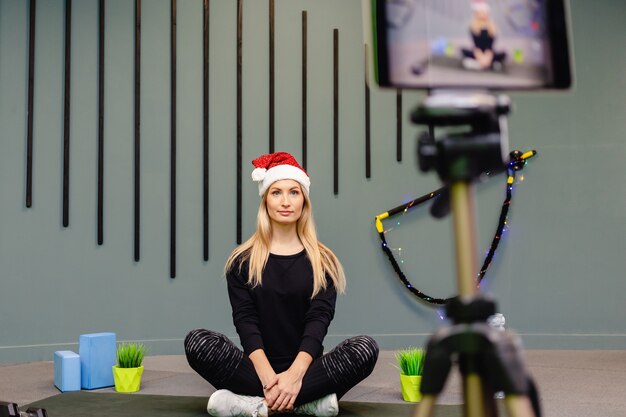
column 84, row 403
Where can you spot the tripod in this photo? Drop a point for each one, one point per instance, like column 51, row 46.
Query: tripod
column 489, row 360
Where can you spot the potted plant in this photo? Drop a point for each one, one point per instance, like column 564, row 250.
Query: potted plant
column 411, row 364
column 127, row 373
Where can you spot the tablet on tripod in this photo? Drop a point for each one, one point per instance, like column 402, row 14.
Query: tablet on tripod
column 471, row 44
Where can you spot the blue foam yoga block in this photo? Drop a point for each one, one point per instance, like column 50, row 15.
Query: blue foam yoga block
column 67, row 370
column 97, row 357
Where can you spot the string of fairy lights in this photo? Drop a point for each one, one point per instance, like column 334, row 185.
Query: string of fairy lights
column 517, row 162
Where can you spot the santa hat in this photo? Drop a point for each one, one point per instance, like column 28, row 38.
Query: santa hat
column 278, row 166
column 480, row 6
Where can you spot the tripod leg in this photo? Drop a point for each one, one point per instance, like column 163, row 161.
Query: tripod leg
column 519, row 406
column 426, row 406
column 524, row 405
column 477, row 398
column 533, row 394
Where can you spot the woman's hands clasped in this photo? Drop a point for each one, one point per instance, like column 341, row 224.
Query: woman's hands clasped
column 281, row 391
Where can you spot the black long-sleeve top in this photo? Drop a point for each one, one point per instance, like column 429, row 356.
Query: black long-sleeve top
column 279, row 316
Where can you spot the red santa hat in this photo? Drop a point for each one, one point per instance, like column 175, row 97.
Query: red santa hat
column 278, row 166
column 480, row 6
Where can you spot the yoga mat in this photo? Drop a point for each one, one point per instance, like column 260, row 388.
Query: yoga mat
column 83, row 403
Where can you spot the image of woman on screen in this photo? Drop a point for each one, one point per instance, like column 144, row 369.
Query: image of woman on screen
column 482, row 56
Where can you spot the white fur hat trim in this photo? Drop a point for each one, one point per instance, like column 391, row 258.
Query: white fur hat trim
column 265, row 178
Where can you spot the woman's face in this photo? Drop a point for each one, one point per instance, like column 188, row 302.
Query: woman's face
column 482, row 15
column 284, row 201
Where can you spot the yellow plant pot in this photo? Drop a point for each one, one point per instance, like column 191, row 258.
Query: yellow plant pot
column 410, row 385
column 127, row 379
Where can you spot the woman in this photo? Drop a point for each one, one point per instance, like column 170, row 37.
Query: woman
column 483, row 32
column 282, row 285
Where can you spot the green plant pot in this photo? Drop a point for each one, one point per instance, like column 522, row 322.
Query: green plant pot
column 127, row 379
column 410, row 385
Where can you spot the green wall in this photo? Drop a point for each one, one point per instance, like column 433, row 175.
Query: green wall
column 558, row 276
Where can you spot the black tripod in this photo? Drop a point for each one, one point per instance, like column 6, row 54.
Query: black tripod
column 489, row 360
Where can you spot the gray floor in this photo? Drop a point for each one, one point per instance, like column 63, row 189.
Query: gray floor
column 571, row 383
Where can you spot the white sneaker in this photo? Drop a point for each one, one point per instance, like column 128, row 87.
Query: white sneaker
column 327, row 406
column 224, row 403
column 497, row 66
column 471, row 64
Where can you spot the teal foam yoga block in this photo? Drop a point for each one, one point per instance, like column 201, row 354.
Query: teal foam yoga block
column 67, row 370
column 97, row 357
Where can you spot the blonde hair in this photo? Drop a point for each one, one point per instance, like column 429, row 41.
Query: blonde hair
column 256, row 250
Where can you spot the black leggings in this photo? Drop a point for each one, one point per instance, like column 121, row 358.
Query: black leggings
column 225, row 366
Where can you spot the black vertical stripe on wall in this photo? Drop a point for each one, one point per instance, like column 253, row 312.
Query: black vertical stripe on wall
column 368, row 146
column 100, row 214
column 399, row 125
column 205, row 129
column 336, row 111
column 137, row 177
column 173, row 140
column 29, row 116
column 239, row 116
column 304, row 89
column 66, row 112
column 271, row 70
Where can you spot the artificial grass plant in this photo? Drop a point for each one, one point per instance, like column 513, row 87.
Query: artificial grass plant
column 130, row 355
column 411, row 361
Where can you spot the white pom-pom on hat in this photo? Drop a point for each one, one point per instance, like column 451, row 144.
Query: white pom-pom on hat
column 278, row 166
column 258, row 174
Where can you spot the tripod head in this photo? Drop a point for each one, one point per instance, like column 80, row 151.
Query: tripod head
column 479, row 141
